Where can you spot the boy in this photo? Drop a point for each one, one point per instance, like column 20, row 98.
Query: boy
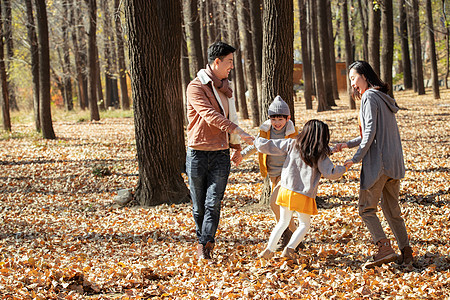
column 279, row 126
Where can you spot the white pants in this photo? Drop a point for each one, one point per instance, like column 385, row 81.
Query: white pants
column 304, row 222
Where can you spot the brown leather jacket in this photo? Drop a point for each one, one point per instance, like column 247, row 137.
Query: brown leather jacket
column 208, row 128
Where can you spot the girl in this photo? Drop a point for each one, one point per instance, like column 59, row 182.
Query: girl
column 306, row 161
column 380, row 151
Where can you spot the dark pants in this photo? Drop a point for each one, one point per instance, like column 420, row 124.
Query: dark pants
column 208, row 176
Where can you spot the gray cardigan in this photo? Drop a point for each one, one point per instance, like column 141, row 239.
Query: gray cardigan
column 380, row 147
column 296, row 175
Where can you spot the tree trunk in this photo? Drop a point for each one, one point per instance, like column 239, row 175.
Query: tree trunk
column 324, row 40
column 277, row 71
column 210, row 28
column 239, row 86
column 79, row 49
column 348, row 53
column 108, row 49
column 406, row 60
column 374, row 36
column 185, row 75
column 169, row 15
column 203, row 30
column 192, row 28
column 44, row 71
column 257, row 41
column 332, row 54
column 418, row 48
column 364, row 30
column 322, row 103
column 447, row 44
column 8, row 36
column 387, row 52
column 5, row 96
column 92, row 57
column 247, row 50
column 34, row 54
column 431, row 41
column 160, row 180
column 125, row 100
column 67, row 81
column 306, row 62
column 100, row 96
column 410, row 17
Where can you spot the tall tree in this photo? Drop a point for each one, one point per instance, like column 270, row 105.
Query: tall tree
column 125, row 100
column 92, row 58
column 324, row 40
column 306, row 62
column 192, row 28
column 247, row 51
column 387, row 52
column 257, row 40
column 5, row 96
column 447, row 44
column 432, row 43
column 159, row 180
column 108, row 52
column 406, row 60
column 66, row 80
column 332, row 54
column 241, row 102
column 363, row 14
column 374, row 35
column 34, row 54
column 418, row 48
column 169, row 15
column 322, row 103
column 203, row 29
column 8, row 36
column 348, row 52
column 44, row 71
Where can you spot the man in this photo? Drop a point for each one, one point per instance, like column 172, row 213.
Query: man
column 213, row 129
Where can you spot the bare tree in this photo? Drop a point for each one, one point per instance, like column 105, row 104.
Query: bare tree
column 92, row 58
column 192, row 28
column 34, row 54
column 447, row 44
column 418, row 66
column 125, row 100
column 306, row 62
column 5, row 96
column 44, row 71
column 257, row 39
column 406, row 60
column 8, row 36
column 363, row 15
column 332, row 66
column 66, row 80
column 387, row 52
column 374, row 35
column 432, row 43
column 348, row 52
column 247, row 51
column 160, row 179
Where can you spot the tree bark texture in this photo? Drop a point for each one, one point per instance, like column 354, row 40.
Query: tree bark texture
column 331, row 52
column 125, row 99
column 66, row 80
column 160, row 180
column 192, row 28
column 257, row 41
column 34, row 55
column 418, row 48
column 249, row 65
column 387, row 52
column 44, row 71
column 5, row 96
column 348, row 52
column 374, row 36
column 306, row 61
column 406, row 60
column 362, row 14
column 92, row 61
column 432, row 43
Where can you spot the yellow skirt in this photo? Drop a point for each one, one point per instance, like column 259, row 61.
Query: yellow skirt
column 296, row 201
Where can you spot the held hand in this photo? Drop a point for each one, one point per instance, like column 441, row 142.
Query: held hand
column 348, row 164
column 338, row 147
column 247, row 138
column 236, row 158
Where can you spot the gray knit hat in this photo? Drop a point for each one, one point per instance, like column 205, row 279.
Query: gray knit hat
column 279, row 107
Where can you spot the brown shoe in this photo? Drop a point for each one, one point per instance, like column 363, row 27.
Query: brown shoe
column 406, row 257
column 205, row 251
column 266, row 254
column 284, row 240
column 385, row 254
column 289, row 254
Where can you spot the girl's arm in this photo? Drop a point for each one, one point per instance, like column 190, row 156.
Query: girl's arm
column 329, row 170
column 248, row 151
column 277, row 147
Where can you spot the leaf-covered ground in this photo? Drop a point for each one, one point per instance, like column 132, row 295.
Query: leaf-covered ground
column 62, row 236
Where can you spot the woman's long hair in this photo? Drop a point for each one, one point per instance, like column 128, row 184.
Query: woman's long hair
column 364, row 68
column 312, row 142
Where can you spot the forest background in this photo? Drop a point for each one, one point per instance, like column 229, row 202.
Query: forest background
column 90, row 118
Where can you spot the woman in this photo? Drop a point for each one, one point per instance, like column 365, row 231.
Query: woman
column 380, row 151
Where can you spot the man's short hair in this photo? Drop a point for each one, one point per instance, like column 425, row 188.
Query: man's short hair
column 219, row 50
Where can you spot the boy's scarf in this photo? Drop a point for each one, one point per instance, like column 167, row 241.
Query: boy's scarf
column 222, row 85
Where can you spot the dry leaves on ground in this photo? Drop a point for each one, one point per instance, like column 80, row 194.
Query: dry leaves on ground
column 62, row 237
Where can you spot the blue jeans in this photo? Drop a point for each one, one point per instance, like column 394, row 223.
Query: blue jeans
column 208, row 175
